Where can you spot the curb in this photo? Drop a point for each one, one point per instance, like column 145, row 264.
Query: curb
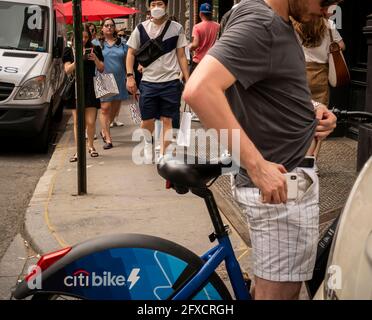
column 36, row 229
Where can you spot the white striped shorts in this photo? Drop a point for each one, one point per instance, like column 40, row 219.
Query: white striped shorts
column 284, row 237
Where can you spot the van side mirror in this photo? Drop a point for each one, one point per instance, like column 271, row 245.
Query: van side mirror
column 58, row 49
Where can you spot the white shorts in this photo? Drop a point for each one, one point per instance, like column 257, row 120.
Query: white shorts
column 284, row 237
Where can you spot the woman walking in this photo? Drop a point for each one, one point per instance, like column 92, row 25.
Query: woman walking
column 93, row 60
column 315, row 37
column 114, row 52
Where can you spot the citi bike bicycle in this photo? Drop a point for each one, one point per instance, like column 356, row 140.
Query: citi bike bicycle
column 143, row 267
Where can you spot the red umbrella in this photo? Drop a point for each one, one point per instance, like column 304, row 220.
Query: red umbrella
column 93, row 10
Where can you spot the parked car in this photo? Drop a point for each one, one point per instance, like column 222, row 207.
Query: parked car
column 32, row 39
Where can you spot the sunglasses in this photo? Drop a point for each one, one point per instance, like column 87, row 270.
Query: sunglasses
column 108, row 25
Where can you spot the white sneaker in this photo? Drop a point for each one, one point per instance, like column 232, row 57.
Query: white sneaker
column 194, row 117
column 118, row 124
column 164, row 157
column 225, row 154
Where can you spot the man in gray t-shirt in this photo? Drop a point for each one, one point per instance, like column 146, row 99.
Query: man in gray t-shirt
column 254, row 80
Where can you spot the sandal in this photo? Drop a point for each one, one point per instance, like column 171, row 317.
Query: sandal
column 107, row 145
column 93, row 153
column 74, row 158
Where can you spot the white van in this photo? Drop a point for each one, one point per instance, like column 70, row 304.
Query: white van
column 32, row 38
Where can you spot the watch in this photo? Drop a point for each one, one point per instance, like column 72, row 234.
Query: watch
column 316, row 104
column 129, row 75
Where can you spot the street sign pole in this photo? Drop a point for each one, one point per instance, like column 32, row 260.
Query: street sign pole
column 80, row 100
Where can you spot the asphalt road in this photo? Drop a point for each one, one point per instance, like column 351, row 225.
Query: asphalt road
column 20, row 171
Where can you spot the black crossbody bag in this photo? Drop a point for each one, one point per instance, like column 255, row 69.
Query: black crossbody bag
column 152, row 49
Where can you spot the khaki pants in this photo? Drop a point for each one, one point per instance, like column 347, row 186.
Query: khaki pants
column 317, row 77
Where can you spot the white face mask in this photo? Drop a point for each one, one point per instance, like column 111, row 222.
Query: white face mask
column 157, row 13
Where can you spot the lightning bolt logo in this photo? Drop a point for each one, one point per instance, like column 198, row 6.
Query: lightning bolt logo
column 133, row 277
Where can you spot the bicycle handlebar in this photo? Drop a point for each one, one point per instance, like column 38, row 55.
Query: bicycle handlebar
column 345, row 115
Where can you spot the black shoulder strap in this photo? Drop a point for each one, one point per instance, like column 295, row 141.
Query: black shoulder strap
column 144, row 37
column 164, row 30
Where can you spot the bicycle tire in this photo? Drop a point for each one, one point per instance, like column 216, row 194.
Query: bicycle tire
column 160, row 259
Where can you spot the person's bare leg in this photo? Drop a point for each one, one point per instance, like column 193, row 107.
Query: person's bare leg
column 90, row 119
column 272, row 290
column 148, row 128
column 116, row 118
column 115, row 109
column 166, row 133
column 105, row 117
column 74, row 116
column 148, row 125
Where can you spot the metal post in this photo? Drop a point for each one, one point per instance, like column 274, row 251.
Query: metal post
column 368, row 33
column 80, row 101
column 191, row 19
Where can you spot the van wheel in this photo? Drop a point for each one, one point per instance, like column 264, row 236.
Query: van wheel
column 41, row 141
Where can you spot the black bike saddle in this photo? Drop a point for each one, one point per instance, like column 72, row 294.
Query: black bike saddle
column 197, row 175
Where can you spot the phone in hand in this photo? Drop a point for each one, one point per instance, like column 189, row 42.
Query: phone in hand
column 292, row 185
column 87, row 52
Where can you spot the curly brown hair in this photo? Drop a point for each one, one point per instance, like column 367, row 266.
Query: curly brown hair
column 311, row 33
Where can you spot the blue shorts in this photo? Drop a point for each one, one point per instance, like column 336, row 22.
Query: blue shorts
column 160, row 99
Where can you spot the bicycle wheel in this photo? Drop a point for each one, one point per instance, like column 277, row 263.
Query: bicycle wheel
column 127, row 267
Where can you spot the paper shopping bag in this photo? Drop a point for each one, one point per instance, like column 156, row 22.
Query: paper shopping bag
column 105, row 85
column 184, row 134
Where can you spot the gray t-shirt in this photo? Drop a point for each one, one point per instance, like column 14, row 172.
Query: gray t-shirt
column 270, row 98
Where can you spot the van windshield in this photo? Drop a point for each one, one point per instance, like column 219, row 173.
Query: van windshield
column 23, row 26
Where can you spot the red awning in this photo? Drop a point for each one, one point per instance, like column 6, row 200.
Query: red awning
column 95, row 10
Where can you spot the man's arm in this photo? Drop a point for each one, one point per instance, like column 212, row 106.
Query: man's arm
column 182, row 60
column 131, row 81
column 204, row 93
column 195, row 43
column 327, row 122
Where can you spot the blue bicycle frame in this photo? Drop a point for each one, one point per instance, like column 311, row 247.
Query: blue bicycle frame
column 213, row 258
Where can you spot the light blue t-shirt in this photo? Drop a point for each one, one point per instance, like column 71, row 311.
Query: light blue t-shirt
column 115, row 56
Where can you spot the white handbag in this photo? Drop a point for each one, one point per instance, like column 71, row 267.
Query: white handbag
column 105, row 85
column 184, row 134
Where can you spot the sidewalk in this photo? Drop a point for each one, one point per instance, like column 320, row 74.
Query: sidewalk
column 122, row 198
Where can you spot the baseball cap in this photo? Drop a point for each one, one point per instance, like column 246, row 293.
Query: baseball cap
column 205, row 8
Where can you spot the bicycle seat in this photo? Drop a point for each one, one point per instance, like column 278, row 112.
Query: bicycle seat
column 191, row 175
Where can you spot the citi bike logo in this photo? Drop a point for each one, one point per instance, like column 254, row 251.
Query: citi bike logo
column 83, row 278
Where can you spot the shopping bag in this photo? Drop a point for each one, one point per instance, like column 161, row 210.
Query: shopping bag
column 135, row 112
column 105, row 85
column 184, row 134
